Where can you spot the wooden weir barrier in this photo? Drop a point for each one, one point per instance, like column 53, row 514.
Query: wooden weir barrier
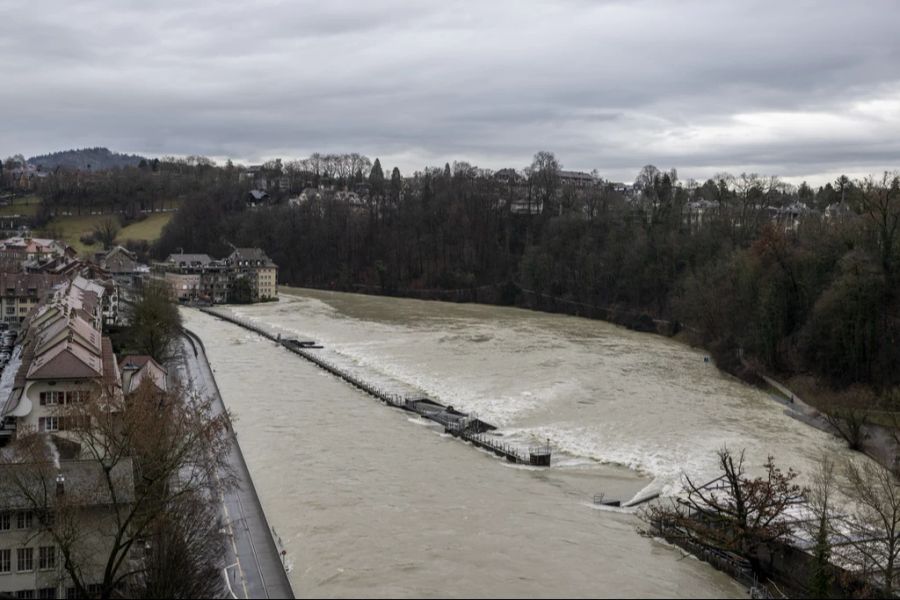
column 459, row 425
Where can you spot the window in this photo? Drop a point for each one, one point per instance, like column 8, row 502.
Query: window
column 46, row 557
column 48, row 423
column 5, row 521
column 25, row 594
column 75, row 397
column 5, row 561
column 24, row 559
column 52, row 398
column 10, row 310
column 24, row 519
column 47, row 593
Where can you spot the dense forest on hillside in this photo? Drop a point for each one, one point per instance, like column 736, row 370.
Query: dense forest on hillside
column 788, row 279
column 97, row 159
column 147, row 186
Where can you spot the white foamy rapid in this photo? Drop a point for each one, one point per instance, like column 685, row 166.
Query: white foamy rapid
column 373, row 504
column 598, row 392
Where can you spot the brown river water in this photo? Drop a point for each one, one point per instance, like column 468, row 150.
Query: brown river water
column 371, row 502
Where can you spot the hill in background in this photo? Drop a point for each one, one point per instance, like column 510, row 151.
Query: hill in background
column 95, row 159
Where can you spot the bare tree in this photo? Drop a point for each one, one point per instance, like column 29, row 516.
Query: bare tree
column 359, row 164
column 106, row 231
column 155, row 454
column 646, row 176
column 820, row 501
column 734, row 512
column 849, row 423
column 188, row 543
column 880, row 203
column 543, row 175
column 872, row 541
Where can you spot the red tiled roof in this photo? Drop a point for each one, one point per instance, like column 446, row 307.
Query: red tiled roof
column 65, row 361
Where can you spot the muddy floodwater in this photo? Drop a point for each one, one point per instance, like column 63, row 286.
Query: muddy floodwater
column 371, row 502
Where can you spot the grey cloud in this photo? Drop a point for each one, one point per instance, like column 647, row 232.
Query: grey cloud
column 606, row 85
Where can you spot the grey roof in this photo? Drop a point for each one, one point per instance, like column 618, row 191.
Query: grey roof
column 120, row 249
column 576, row 175
column 34, row 485
column 189, row 259
column 22, row 284
column 259, row 194
column 251, row 254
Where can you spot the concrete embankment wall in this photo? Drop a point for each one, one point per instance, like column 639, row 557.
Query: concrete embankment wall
column 257, row 551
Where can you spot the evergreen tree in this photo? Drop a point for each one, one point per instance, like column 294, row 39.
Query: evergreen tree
column 396, row 185
column 376, row 179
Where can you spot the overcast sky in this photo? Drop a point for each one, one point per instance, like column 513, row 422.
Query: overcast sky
column 798, row 89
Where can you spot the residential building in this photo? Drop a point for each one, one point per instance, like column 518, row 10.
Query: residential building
column 32, row 249
column 15, row 225
column 106, row 291
column 64, row 266
column 509, row 176
column 32, row 564
column 139, row 368
column 524, row 206
column 123, row 266
column 247, row 275
column 63, row 358
column 184, row 287
column 695, row 213
column 257, row 198
column 22, row 292
column 255, row 266
column 577, row 179
column 195, row 277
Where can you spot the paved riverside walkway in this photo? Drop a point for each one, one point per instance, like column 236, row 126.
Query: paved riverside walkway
column 253, row 564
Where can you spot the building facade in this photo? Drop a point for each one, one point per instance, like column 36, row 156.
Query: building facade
column 247, row 275
column 32, row 564
column 22, row 292
column 254, row 265
column 62, row 360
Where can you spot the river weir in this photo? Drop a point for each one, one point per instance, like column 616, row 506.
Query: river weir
column 367, row 503
column 464, row 426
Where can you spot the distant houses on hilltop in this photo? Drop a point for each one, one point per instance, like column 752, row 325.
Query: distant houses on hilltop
column 575, row 193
